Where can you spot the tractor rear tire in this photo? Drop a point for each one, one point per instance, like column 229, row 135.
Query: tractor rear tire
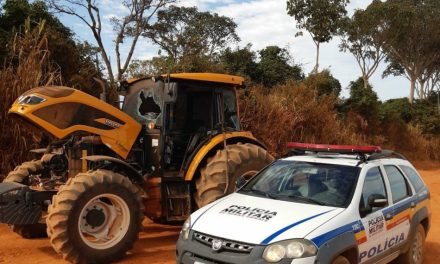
column 242, row 159
column 95, row 218
column 21, row 175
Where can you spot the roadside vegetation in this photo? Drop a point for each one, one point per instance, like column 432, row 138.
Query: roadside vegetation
column 280, row 103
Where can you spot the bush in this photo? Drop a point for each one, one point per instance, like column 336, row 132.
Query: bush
column 324, row 83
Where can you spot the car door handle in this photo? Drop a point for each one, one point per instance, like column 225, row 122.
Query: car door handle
column 388, row 217
column 413, row 204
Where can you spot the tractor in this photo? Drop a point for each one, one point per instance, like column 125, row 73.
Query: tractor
column 172, row 145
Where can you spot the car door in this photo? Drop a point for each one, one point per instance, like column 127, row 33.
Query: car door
column 372, row 243
column 403, row 202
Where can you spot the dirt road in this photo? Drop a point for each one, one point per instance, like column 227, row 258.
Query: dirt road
column 157, row 242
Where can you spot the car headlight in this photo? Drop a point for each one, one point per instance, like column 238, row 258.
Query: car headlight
column 186, row 228
column 295, row 248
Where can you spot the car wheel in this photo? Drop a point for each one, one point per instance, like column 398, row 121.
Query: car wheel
column 341, row 260
column 415, row 253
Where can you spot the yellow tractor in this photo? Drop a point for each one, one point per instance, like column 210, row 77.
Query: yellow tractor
column 175, row 146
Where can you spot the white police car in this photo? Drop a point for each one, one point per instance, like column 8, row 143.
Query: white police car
column 323, row 206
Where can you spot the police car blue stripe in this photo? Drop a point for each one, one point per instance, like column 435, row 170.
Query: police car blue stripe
column 279, row 232
column 400, row 207
column 320, row 240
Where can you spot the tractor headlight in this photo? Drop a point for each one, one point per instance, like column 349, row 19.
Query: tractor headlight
column 186, row 228
column 291, row 249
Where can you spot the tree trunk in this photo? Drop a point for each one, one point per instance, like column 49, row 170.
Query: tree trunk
column 317, row 58
column 412, row 89
column 365, row 78
column 422, row 90
column 438, row 101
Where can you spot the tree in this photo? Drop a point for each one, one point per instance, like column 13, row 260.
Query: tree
column 189, row 36
column 240, row 61
column 321, row 18
column 324, row 83
column 396, row 109
column 363, row 101
column 139, row 15
column 411, row 39
column 145, row 68
column 360, row 36
column 77, row 69
column 275, row 67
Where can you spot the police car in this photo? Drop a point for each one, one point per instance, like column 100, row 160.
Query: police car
column 325, row 204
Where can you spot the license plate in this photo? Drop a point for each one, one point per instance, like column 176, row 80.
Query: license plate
column 198, row 262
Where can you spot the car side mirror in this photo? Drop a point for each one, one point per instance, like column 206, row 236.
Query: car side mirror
column 374, row 201
column 240, row 182
column 377, row 200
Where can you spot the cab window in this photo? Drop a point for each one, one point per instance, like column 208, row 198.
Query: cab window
column 374, row 186
column 413, row 177
column 399, row 187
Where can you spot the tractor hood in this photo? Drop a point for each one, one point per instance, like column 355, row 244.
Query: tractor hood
column 62, row 111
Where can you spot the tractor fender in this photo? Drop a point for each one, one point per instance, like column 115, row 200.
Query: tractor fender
column 213, row 144
column 120, row 165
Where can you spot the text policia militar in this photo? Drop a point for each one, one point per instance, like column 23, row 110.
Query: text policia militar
column 249, row 212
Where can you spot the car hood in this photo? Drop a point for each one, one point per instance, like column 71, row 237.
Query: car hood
column 257, row 220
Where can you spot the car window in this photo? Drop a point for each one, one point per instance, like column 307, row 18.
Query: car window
column 399, row 187
column 316, row 183
column 413, row 176
column 373, row 185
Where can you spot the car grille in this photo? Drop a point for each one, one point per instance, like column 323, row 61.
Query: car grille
column 227, row 245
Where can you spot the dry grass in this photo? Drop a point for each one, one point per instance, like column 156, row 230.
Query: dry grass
column 292, row 112
column 26, row 67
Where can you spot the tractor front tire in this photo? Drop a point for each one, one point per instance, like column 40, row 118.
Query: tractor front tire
column 21, row 175
column 95, row 217
column 214, row 178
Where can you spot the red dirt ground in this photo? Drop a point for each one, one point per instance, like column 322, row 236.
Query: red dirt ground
column 157, row 242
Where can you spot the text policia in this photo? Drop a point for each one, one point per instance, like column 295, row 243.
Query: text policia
column 389, row 242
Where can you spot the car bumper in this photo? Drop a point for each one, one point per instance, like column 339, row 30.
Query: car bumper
column 192, row 251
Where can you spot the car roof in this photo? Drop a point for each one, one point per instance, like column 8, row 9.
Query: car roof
column 341, row 159
column 205, row 77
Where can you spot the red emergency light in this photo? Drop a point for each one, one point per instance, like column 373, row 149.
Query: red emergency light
column 334, row 148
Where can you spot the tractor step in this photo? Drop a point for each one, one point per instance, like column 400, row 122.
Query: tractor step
column 177, row 198
column 176, row 218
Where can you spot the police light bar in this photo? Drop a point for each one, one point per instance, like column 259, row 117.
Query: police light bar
column 334, row 148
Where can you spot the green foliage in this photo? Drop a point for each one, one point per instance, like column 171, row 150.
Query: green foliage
column 398, row 109
column 190, row 37
column 324, row 83
column 427, row 116
column 363, row 102
column 240, row 61
column 361, row 37
column 410, row 36
column 275, row 67
column 145, row 68
column 322, row 18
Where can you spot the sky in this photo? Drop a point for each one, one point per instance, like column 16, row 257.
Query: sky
column 260, row 23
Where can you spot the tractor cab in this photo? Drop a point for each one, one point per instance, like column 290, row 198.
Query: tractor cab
column 179, row 112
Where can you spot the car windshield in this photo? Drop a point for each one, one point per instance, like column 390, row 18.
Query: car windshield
column 305, row 182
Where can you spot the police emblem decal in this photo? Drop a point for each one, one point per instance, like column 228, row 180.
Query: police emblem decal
column 217, row 244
